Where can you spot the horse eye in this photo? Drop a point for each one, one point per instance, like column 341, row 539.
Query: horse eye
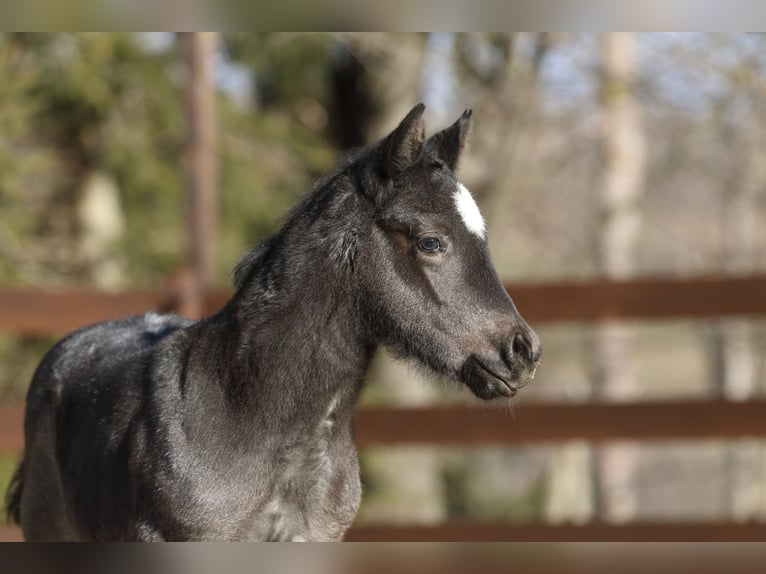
column 429, row 244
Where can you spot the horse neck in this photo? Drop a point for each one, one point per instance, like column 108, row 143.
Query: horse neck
column 297, row 343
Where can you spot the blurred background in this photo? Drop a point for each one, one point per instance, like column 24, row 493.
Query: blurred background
column 622, row 176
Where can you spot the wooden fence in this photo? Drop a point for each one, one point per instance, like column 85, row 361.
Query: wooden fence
column 36, row 312
column 41, row 312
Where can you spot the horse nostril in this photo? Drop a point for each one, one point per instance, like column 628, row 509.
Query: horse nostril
column 520, row 346
column 527, row 345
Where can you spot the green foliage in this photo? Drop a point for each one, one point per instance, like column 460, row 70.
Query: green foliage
column 8, row 464
column 260, row 181
column 288, row 66
column 77, row 103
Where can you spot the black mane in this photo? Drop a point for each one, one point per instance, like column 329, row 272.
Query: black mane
column 326, row 195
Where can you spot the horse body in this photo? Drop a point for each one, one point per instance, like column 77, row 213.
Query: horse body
column 239, row 426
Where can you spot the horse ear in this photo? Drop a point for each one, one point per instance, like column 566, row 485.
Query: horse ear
column 449, row 143
column 403, row 146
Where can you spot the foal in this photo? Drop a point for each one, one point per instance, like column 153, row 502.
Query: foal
column 239, row 426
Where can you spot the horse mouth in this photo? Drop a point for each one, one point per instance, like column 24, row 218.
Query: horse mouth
column 489, row 380
column 497, row 383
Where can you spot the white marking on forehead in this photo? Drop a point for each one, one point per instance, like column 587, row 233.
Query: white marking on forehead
column 469, row 211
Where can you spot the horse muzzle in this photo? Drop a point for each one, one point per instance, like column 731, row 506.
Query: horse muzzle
column 513, row 366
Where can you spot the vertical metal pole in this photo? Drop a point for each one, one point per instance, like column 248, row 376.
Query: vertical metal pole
column 200, row 168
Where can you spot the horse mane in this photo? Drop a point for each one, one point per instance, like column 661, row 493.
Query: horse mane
column 252, row 260
column 260, row 257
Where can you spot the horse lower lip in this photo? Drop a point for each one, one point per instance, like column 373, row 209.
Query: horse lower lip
column 504, row 387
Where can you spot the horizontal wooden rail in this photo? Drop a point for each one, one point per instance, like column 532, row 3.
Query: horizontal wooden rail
column 470, row 531
column 641, row 299
column 41, row 312
column 555, row 422
column 531, row 423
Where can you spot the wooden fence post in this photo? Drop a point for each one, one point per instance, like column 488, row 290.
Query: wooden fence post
column 200, row 169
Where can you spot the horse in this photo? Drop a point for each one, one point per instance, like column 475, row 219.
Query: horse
column 239, row 426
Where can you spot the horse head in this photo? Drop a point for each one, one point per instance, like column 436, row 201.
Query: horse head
column 423, row 268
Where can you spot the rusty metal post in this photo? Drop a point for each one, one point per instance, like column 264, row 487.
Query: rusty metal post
column 200, row 169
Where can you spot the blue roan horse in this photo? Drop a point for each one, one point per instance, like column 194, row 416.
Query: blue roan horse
column 239, row 426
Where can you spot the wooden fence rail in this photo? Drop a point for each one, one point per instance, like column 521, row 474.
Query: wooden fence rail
column 33, row 311
column 472, row 531
column 530, row 423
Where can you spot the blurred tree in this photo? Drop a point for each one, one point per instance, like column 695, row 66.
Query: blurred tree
column 622, row 187
column 740, row 113
column 91, row 107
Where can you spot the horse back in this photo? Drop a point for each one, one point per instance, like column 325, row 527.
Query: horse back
column 86, row 414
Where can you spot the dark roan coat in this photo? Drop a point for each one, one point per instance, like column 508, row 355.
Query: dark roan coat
column 239, row 426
